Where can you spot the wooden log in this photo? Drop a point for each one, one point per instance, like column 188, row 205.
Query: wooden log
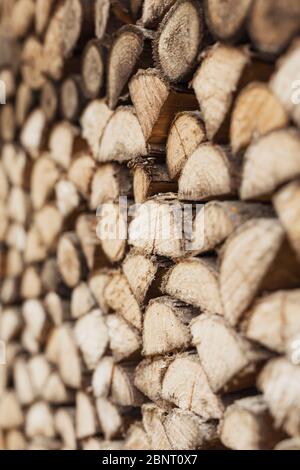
column 273, row 24
column 18, row 205
column 149, row 375
column 91, row 337
column 81, row 172
column 54, row 44
column 77, row 24
column 229, row 361
column 282, row 401
column 154, row 11
column 70, row 259
column 166, row 327
column 93, row 122
column 109, row 182
column 93, row 69
column 7, row 123
column 267, row 264
column 43, row 11
column 44, row 175
column 137, row 438
column 110, row 418
column 122, row 139
column 257, row 112
column 64, row 422
column 286, row 202
column 32, row 63
column 124, row 58
column 67, row 357
column 284, row 82
column 208, row 173
column 227, row 20
column 175, row 54
column 280, row 311
column 196, row 282
column 119, row 297
column 156, row 103
column 11, row 414
column 112, row 230
column 288, row 444
column 72, row 99
column 8, row 79
column 67, row 197
column 150, row 178
column 16, row 164
column 186, row 133
column 257, row 180
column 217, row 220
column 144, row 275
column 49, row 100
column 33, row 132
column 49, row 223
column 22, row 17
column 65, row 135
column 57, row 308
column 247, row 425
column 31, row 285
column 22, row 382
column 82, row 300
column 98, row 281
column 124, row 340
column 15, row 440
column 24, row 103
column 85, row 419
column 10, row 323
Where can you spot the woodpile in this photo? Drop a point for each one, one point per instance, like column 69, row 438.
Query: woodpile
column 150, row 224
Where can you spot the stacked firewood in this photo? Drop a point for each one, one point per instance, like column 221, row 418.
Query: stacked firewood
column 171, row 321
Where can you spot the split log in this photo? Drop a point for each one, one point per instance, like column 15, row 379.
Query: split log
column 10, row 323
column 122, row 139
column 110, row 419
column 289, row 444
column 49, row 100
column 136, row 438
column 286, row 202
column 98, row 281
column 166, row 327
column 24, row 103
column 76, row 25
column 49, row 223
column 123, row 60
column 67, row 197
column 208, row 173
column 267, row 153
column 11, row 414
column 102, row 377
column 247, row 425
column 82, row 300
column 110, row 181
column 43, row 10
column 22, row 382
column 179, row 39
column 158, row 227
column 65, row 136
column 32, row 63
column 266, row 264
column 81, row 173
column 67, row 357
column 185, row 384
column 154, row 11
column 15, row 440
column 229, row 361
column 257, row 112
column 64, row 423
column 39, row 421
column 86, row 421
column 150, row 178
column 31, row 285
column 70, row 259
column 39, row 370
column 91, row 337
column 273, row 321
column 18, row 205
column 35, row 318
column 272, row 24
column 7, row 123
column 8, row 79
column 33, row 132
column 178, row 429
column 93, row 122
column 22, row 17
column 214, row 96
column 17, row 165
column 144, row 275
column 43, row 178
column 149, row 375
column 93, row 69
column 282, row 400
column 72, row 99
column 217, row 220
column 156, row 103
column 124, row 340
column 227, row 20
column 284, row 83
column 119, row 297
column 186, row 133
column 196, row 282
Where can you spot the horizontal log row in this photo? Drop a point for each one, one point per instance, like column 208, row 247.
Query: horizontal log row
column 170, row 320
